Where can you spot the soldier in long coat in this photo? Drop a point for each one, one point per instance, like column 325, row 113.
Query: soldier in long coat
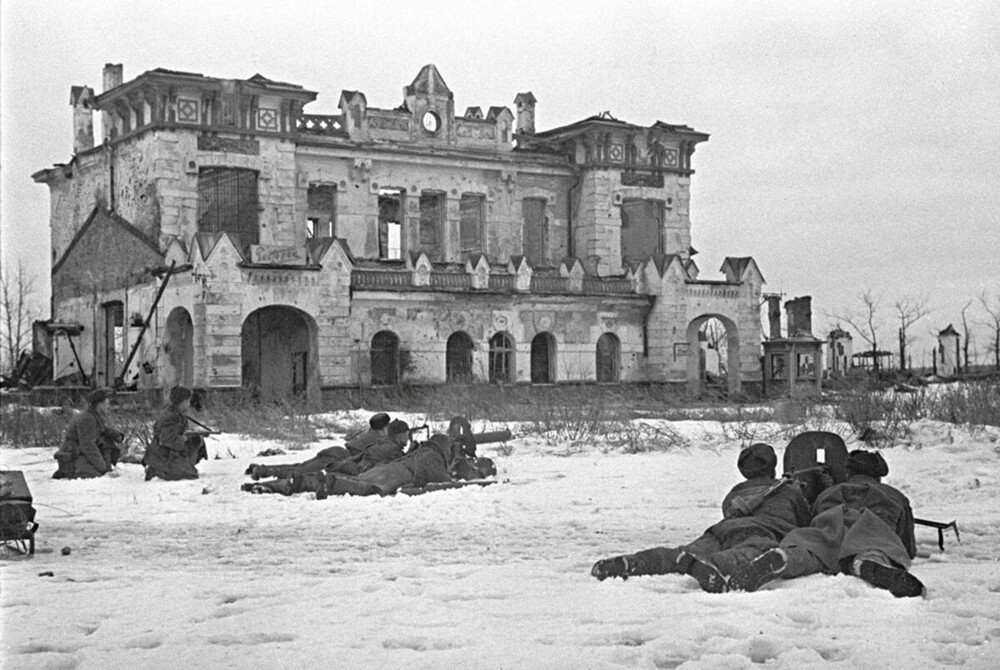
column 757, row 514
column 428, row 463
column 172, row 454
column 861, row 527
column 89, row 448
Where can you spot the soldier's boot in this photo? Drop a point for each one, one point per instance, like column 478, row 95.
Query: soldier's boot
column 751, row 575
column 710, row 579
column 896, row 581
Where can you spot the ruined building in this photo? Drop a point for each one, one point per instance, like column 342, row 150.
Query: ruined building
column 289, row 252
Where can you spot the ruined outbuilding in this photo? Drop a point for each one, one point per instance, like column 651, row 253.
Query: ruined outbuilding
column 793, row 360
column 408, row 244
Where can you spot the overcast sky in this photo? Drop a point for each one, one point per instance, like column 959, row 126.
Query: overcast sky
column 854, row 145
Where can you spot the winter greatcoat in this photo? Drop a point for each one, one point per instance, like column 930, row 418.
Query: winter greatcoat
column 171, row 455
column 752, row 523
column 858, row 516
column 358, row 445
column 424, row 465
column 80, row 455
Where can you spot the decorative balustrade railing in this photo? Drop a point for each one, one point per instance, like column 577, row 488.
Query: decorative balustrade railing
column 615, row 286
column 712, row 290
column 549, row 285
column 501, row 282
column 320, row 124
column 450, row 280
column 380, row 279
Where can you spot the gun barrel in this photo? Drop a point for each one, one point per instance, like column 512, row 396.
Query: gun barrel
column 492, row 436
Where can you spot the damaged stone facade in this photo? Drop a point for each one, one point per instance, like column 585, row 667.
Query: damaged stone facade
column 378, row 246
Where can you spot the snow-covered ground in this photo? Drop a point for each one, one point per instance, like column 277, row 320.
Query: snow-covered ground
column 198, row 574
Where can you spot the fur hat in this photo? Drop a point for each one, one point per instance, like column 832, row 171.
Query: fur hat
column 378, row 421
column 398, row 426
column 98, row 396
column 757, row 460
column 871, row 463
column 179, row 394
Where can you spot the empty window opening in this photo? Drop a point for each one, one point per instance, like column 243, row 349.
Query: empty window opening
column 458, row 358
column 471, row 223
column 543, row 359
column 114, row 340
column 642, row 230
column 432, row 207
column 536, row 231
column 390, row 224
column 501, row 358
column 227, row 202
column 608, row 358
column 322, row 211
column 385, row 358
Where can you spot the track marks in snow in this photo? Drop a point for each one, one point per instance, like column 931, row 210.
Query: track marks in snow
column 250, row 639
column 420, row 643
column 144, row 642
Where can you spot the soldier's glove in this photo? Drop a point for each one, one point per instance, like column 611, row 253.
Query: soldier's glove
column 619, row 566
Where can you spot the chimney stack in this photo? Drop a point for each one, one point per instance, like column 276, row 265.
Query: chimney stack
column 774, row 316
column 525, row 103
column 799, row 316
column 113, row 74
column 82, row 100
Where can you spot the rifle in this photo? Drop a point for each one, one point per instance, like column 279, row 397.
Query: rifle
column 206, row 431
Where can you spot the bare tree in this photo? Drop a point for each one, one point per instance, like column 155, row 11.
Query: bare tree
column 17, row 311
column 717, row 338
column 966, row 338
column 909, row 310
column 866, row 323
column 993, row 309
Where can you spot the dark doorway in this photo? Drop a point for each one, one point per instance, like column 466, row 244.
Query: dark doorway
column 608, row 358
column 501, row 358
column 543, row 359
column 180, row 348
column 385, row 358
column 276, row 346
column 458, row 357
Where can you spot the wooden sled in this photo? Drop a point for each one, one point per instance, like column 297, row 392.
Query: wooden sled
column 441, row 486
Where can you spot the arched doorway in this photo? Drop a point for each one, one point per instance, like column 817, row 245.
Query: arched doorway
column 179, row 348
column 458, row 357
column 726, row 339
column 279, row 354
column 543, row 359
column 501, row 358
column 385, row 358
column 608, row 358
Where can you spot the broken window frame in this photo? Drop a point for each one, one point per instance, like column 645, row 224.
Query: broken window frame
column 536, row 257
column 502, row 359
column 472, row 218
column 608, row 359
column 390, row 233
column 778, row 368
column 229, row 202
column 433, row 207
column 805, row 365
column 321, row 211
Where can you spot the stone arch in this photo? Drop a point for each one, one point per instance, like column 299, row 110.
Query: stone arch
column 385, row 358
column 279, row 354
column 458, row 357
column 543, row 359
column 734, row 382
column 608, row 365
column 501, row 358
column 179, row 348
